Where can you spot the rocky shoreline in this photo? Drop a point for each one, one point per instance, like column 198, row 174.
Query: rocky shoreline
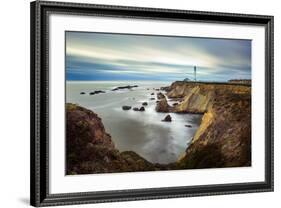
column 224, row 137
column 222, row 140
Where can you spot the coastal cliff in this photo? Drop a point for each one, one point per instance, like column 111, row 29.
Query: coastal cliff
column 224, row 136
column 91, row 150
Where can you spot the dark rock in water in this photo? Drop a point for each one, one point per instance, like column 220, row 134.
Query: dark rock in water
column 165, row 88
column 157, row 89
column 152, row 93
column 126, row 107
column 82, row 93
column 160, row 95
column 189, row 126
column 144, row 103
column 152, row 98
column 142, row 109
column 157, row 101
column 147, row 88
column 168, row 118
column 175, row 104
column 124, row 87
column 97, row 92
column 136, row 109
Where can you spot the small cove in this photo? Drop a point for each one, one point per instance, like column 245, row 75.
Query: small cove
column 141, row 132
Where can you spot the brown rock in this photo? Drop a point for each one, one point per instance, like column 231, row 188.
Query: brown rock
column 89, row 149
column 160, row 95
column 84, row 129
column 224, row 136
column 162, row 106
column 165, row 88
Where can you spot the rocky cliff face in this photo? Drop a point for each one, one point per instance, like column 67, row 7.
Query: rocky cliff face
column 222, row 140
column 91, row 150
column 163, row 106
column 224, row 136
column 198, row 97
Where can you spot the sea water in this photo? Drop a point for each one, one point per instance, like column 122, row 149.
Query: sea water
column 142, row 132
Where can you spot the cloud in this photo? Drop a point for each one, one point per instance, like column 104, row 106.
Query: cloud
column 136, row 56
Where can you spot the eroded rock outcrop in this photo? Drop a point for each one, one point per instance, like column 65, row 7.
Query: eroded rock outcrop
column 224, row 136
column 167, row 88
column 222, row 140
column 163, row 106
column 160, row 96
column 91, row 150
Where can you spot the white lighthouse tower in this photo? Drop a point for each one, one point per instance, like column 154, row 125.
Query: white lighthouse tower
column 195, row 73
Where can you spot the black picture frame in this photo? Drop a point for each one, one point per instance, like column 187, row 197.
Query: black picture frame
column 39, row 187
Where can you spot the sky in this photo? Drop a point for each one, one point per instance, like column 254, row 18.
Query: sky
column 112, row 57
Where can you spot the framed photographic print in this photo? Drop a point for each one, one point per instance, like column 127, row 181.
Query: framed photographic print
column 131, row 103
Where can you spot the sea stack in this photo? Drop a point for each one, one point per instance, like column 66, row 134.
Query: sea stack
column 168, row 118
column 163, row 106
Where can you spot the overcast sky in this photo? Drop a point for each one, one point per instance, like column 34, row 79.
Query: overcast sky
column 100, row 56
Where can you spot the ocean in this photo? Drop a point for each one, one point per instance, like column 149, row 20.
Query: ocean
column 141, row 132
